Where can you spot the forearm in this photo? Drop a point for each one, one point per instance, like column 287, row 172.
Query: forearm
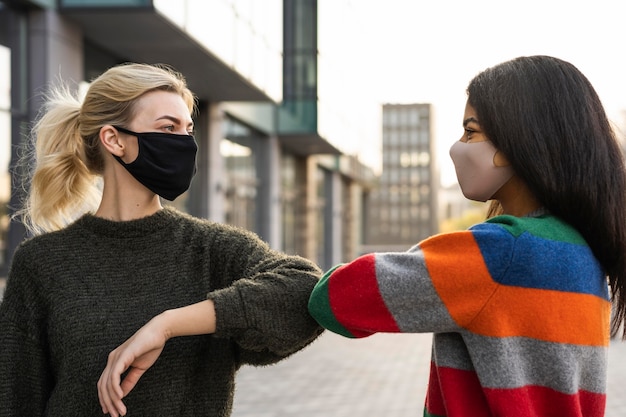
column 194, row 319
column 266, row 311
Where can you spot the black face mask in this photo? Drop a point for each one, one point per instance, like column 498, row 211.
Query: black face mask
column 166, row 162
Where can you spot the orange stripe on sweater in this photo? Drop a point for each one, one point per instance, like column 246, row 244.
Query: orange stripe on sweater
column 548, row 315
column 459, row 274
column 483, row 306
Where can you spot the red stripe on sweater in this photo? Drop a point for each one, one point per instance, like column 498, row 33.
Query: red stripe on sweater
column 368, row 314
column 542, row 401
column 456, row 393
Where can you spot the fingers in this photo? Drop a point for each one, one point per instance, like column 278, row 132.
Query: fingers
column 110, row 392
column 136, row 355
column 130, row 380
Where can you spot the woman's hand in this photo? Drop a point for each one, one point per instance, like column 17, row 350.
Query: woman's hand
column 136, row 355
column 143, row 348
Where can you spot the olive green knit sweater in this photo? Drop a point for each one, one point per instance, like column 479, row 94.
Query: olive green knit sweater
column 73, row 296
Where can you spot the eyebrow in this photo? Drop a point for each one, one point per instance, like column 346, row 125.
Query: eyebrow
column 469, row 120
column 174, row 120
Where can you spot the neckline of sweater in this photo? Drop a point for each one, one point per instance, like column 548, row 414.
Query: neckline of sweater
column 129, row 228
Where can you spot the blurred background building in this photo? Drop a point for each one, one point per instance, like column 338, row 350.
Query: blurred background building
column 402, row 208
column 288, row 148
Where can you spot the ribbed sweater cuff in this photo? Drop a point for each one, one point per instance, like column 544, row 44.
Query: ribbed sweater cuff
column 230, row 315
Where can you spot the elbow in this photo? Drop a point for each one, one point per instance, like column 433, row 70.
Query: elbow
column 321, row 311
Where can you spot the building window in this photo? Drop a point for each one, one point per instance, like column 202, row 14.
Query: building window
column 414, row 118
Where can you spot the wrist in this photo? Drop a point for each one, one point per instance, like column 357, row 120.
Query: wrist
column 166, row 324
column 191, row 320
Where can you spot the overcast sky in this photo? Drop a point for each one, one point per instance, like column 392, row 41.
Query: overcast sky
column 428, row 50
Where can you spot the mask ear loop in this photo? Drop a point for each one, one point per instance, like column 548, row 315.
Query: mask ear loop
column 123, row 130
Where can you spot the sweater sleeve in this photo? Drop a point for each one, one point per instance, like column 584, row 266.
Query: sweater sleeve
column 25, row 379
column 264, row 309
column 439, row 285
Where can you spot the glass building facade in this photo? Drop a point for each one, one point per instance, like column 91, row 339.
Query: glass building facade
column 269, row 158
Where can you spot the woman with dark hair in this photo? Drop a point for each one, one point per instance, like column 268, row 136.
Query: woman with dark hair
column 519, row 305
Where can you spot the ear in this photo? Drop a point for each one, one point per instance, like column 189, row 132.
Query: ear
column 500, row 160
column 110, row 139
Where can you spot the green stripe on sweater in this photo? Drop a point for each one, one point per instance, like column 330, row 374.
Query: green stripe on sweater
column 320, row 308
column 546, row 226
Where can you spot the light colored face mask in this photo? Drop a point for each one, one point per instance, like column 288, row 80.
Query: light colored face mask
column 478, row 177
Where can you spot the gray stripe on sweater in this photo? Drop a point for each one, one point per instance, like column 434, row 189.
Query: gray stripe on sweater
column 516, row 361
column 406, row 288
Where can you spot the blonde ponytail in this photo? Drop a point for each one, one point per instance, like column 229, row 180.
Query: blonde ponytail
column 62, row 187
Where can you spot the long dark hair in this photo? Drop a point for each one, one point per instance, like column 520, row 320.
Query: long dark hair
column 546, row 117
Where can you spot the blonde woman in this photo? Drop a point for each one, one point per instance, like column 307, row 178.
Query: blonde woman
column 108, row 259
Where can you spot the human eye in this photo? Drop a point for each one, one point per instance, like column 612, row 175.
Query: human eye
column 469, row 133
column 169, row 128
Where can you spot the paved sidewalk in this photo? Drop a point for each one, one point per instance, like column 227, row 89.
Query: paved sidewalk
column 383, row 375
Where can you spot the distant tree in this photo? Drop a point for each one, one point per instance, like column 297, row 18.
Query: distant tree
column 469, row 217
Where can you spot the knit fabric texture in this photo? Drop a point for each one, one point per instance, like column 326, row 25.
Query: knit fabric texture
column 519, row 308
column 74, row 295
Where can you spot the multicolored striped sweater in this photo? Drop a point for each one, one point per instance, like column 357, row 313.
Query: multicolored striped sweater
column 519, row 308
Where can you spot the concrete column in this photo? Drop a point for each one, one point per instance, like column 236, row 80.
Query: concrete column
column 306, row 208
column 216, row 174
column 333, row 226
column 268, row 220
column 198, row 203
column 20, row 119
column 56, row 52
column 355, row 227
